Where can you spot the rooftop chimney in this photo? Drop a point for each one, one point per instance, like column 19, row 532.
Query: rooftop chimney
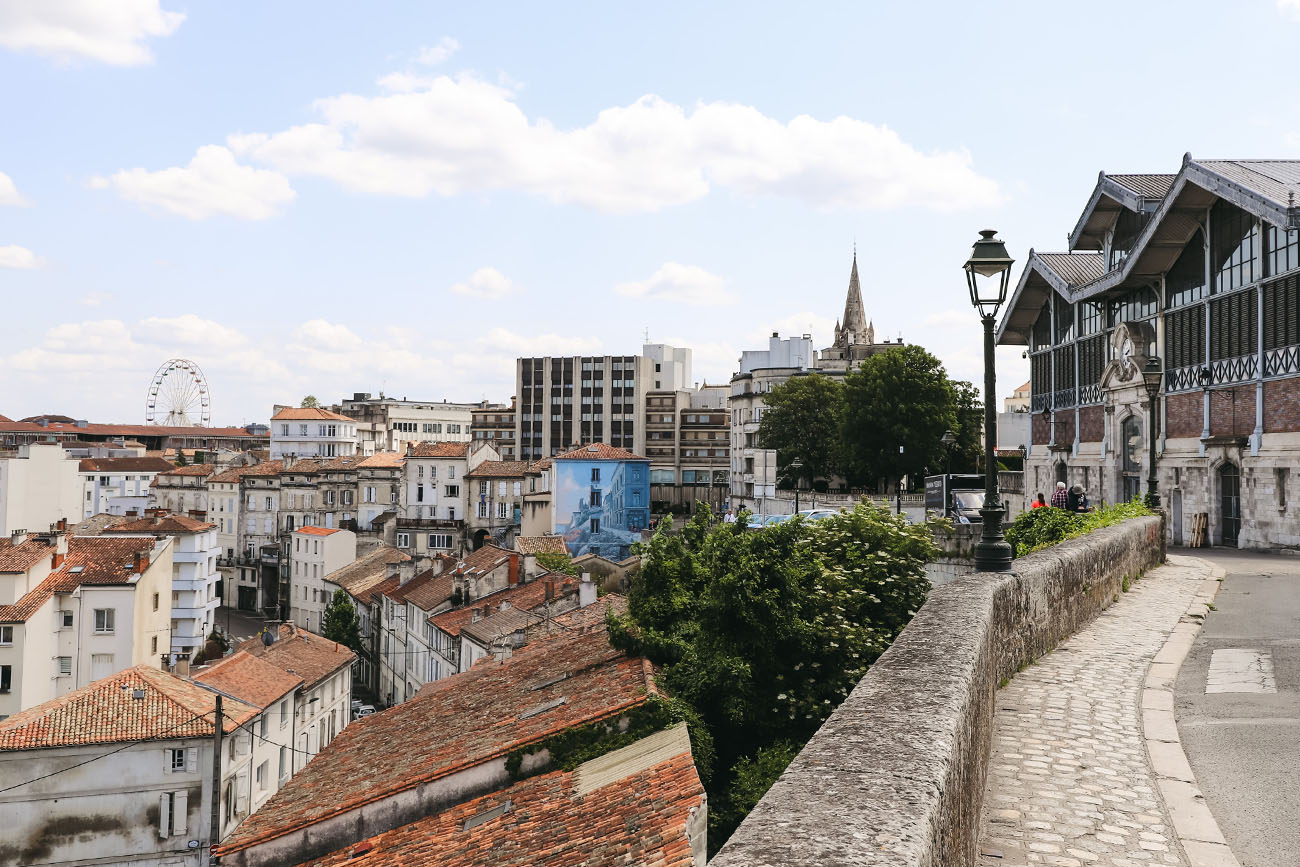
column 391, row 570
column 140, row 562
column 530, row 567
column 586, row 591
column 476, row 614
column 17, row 537
column 512, row 576
column 405, row 571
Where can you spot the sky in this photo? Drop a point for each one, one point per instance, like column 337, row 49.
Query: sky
column 325, row 198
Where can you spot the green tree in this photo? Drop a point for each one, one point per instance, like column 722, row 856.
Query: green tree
column 802, row 421
column 557, row 562
column 309, row 402
column 764, row 632
column 969, row 409
column 341, row 622
column 898, row 398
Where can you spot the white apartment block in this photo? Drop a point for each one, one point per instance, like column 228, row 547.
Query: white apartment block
column 39, row 486
column 386, row 424
column 310, row 432
column 195, row 579
column 433, row 499
column 672, row 367
column 314, row 553
column 115, row 486
column 74, row 610
column 182, row 489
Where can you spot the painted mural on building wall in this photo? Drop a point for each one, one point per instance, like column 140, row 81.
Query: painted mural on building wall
column 601, row 506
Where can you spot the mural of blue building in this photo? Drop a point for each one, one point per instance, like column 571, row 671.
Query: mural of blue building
column 601, row 499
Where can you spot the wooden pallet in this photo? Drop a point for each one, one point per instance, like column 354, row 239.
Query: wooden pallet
column 1200, row 528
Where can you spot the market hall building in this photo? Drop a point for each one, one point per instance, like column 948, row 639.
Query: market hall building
column 1200, row 269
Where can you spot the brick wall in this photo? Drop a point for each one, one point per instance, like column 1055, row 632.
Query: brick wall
column 1184, row 415
column 1281, row 405
column 1039, row 427
column 1091, row 424
column 1065, row 427
column 1232, row 411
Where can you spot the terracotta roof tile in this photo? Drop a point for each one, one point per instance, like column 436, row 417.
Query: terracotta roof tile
column 425, row 591
column 130, row 430
column 20, row 558
column 381, row 460
column 308, row 413
column 487, row 558
column 366, row 595
column 107, row 711
column 191, row 470
column 302, row 653
column 234, row 474
column 526, row 596
column 126, row 465
column 367, row 571
column 638, row 819
column 317, row 531
column 160, row 524
column 499, row 469
column 438, row 450
column 599, row 452
column 588, row 619
column 451, row 724
column 522, row 600
column 540, row 545
column 249, row 679
column 90, row 560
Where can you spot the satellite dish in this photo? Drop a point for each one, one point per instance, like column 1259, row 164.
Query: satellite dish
column 268, row 637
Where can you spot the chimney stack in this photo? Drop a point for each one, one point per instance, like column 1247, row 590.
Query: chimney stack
column 405, row 571
column 476, row 614
column 530, row 567
column 586, row 591
column 17, row 537
column 140, row 562
column 512, row 576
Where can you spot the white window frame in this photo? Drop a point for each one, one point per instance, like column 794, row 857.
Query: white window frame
column 105, row 624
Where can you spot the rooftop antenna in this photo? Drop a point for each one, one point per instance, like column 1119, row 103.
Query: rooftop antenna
column 647, row 335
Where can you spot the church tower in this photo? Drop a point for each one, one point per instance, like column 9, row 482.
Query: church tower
column 855, row 328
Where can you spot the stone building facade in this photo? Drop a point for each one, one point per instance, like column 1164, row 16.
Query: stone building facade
column 1201, row 270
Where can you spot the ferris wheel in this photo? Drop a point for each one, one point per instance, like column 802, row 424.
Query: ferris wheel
column 178, row 395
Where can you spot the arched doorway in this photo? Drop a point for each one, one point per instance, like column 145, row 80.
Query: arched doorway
column 1061, row 471
column 1229, row 503
column 480, row 538
column 1131, row 440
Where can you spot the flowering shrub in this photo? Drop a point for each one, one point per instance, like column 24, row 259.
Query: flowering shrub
column 1037, row 529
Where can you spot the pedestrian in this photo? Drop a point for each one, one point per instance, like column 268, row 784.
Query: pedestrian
column 1039, row 503
column 1074, row 501
column 1081, row 495
column 1061, row 497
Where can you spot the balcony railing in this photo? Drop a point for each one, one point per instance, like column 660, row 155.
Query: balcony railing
column 429, row 524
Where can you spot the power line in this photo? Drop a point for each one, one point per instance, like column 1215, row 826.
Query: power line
column 102, row 755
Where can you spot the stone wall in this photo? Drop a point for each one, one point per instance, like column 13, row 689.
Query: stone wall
column 896, row 774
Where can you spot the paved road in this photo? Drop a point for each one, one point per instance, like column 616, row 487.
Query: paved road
column 1069, row 782
column 241, row 624
column 1242, row 736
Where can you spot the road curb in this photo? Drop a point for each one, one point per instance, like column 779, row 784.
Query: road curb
column 1198, row 833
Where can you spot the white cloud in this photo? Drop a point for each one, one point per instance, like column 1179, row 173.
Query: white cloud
column 94, row 298
column 1289, row 7
column 432, row 55
column 680, row 284
column 108, row 31
column 821, row 327
column 187, row 330
column 486, row 283
column 450, row 136
column 953, row 317
column 213, row 183
column 9, row 194
column 13, row 256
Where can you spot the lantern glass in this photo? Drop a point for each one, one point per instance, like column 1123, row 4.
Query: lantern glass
column 988, row 270
column 1152, row 373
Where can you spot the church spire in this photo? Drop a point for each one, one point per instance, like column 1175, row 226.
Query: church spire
column 855, row 318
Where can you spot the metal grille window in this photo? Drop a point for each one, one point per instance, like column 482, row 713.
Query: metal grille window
column 1235, row 252
column 1092, row 317
column 1092, row 358
column 1042, row 337
column 1064, row 319
column 1185, row 281
column 1282, row 313
column 1040, row 370
column 1063, row 359
column 1138, row 304
column 1233, row 325
column 1283, row 247
column 1185, row 337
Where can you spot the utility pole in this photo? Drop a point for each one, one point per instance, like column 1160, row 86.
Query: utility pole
column 214, row 831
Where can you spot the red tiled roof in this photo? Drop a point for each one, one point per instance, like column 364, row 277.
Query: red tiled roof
column 366, row 595
column 20, row 558
column 541, row 545
column 639, row 819
column 382, row 460
column 234, row 474
column 5, row 418
column 487, row 558
column 125, row 465
column 538, row 466
column 599, row 452
column 525, row 596
column 102, row 560
column 252, row 680
column 317, row 531
column 307, row 413
column 365, row 572
column 452, row 724
column 303, row 653
column 499, row 469
column 191, row 470
column 591, row 618
column 128, row 430
column 107, row 711
column 162, row 524
column 438, row 450
column 425, row 591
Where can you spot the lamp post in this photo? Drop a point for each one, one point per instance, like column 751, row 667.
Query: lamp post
column 988, row 270
column 949, row 439
column 795, row 465
column 1152, row 373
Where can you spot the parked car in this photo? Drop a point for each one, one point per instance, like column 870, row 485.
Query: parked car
column 364, row 710
column 817, row 514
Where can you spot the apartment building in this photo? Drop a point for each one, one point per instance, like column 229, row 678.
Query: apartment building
column 39, row 486
column 115, row 486
column 688, row 444
column 315, row 553
column 77, row 609
column 385, row 424
column 434, row 501
column 195, row 579
column 494, row 424
column 361, row 580
column 379, row 487
column 311, row 432
column 566, row 401
column 496, row 502
column 182, row 489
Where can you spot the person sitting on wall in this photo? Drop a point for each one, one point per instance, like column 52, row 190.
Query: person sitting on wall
column 1039, row 503
column 1061, row 497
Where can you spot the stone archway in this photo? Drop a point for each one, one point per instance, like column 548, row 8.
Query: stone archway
column 481, row 538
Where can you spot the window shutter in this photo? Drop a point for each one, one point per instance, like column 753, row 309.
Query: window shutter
column 191, row 759
column 164, row 816
column 179, row 820
column 241, row 793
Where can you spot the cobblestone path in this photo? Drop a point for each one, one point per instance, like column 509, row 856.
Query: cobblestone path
column 1069, row 783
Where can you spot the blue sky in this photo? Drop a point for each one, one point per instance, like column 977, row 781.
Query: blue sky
column 339, row 197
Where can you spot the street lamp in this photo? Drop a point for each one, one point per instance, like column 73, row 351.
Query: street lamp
column 1152, row 373
column 988, row 270
column 795, row 465
column 949, row 439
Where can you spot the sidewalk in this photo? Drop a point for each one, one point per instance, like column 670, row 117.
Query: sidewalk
column 1070, row 779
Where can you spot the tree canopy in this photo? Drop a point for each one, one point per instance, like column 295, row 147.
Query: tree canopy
column 341, row 622
column 309, row 402
column 901, row 397
column 802, row 421
column 764, row 632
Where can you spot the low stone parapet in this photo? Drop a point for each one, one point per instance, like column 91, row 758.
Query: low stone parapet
column 895, row 775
